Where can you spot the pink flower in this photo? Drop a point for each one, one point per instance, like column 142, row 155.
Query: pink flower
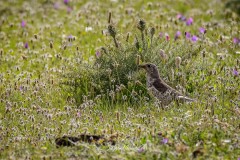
column 177, row 35
column 78, row 114
column 69, row 9
column 189, row 21
column 202, row 30
column 236, row 41
column 167, row 36
column 164, row 140
column 56, row 5
column 66, row 2
column 140, row 150
column 23, row 24
column 179, row 16
column 188, row 35
column 160, row 35
column 194, row 38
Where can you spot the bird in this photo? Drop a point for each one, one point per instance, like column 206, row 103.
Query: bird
column 161, row 90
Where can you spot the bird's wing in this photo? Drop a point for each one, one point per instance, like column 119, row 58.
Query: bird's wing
column 161, row 87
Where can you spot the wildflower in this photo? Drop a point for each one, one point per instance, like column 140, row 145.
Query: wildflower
column 189, row 21
column 140, row 150
column 235, row 72
column 181, row 17
column 188, row 35
column 26, row 45
column 167, row 36
column 98, row 54
column 194, row 38
column 66, row 2
column 70, row 38
column 160, row 35
column 202, row 30
column 236, row 41
column 78, row 114
column 177, row 35
column 23, row 24
column 69, row 9
column 21, row 88
column 56, row 5
column 164, row 140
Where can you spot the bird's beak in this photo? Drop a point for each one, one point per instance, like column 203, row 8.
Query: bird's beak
column 142, row 66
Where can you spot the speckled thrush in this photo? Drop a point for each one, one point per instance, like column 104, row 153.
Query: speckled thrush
column 159, row 88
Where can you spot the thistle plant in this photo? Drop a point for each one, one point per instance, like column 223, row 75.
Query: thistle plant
column 141, row 26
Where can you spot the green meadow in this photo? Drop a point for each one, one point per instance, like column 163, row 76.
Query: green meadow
column 70, row 68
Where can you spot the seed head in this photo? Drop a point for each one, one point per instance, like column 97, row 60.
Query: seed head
column 51, row 45
column 128, row 35
column 112, row 30
column 152, row 31
column 137, row 43
column 141, row 25
column 35, row 36
column 178, row 61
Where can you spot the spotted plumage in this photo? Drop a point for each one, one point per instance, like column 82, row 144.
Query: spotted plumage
column 159, row 88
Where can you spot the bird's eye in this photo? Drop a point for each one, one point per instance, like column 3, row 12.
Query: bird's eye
column 148, row 65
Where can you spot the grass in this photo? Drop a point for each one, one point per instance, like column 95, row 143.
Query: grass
column 36, row 108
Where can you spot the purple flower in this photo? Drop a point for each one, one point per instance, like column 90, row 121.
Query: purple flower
column 202, row 30
column 194, row 38
column 21, row 88
column 181, row 17
column 26, row 45
column 167, row 36
column 66, row 2
column 23, row 24
column 235, row 72
column 98, row 54
column 177, row 35
column 56, row 5
column 188, row 35
column 238, row 158
column 160, row 35
column 140, row 150
column 69, row 9
column 78, row 114
column 70, row 38
column 164, row 140
column 236, row 41
column 189, row 21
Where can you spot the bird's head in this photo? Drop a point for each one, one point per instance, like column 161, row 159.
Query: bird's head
column 151, row 69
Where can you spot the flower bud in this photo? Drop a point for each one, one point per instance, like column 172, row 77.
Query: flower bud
column 141, row 25
column 178, row 61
